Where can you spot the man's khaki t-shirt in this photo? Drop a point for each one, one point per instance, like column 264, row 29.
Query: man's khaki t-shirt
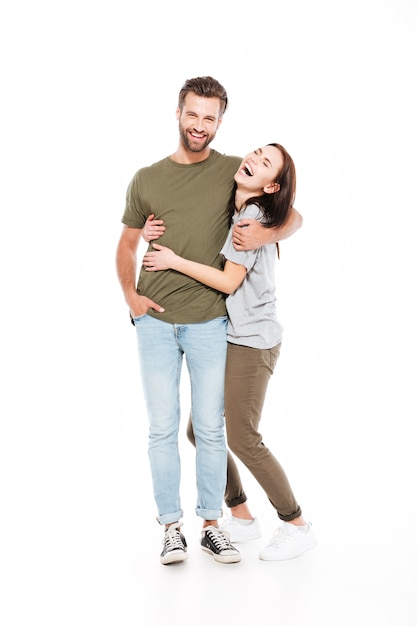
column 192, row 200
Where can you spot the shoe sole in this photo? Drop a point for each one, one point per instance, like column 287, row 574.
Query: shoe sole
column 227, row 558
column 173, row 557
column 288, row 558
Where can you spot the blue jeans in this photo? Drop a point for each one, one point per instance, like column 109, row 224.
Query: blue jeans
column 161, row 348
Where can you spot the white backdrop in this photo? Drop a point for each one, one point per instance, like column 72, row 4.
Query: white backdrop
column 89, row 96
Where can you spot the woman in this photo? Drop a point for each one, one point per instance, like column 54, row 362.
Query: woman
column 265, row 190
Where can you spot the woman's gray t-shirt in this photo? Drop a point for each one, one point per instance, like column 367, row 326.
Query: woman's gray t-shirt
column 253, row 320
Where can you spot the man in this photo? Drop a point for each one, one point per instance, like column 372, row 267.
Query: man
column 175, row 315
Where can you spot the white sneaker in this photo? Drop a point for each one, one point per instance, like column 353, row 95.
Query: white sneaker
column 288, row 542
column 239, row 533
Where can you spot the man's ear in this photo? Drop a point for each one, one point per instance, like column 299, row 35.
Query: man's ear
column 178, row 113
column 272, row 188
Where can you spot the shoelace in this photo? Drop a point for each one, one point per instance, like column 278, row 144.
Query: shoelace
column 280, row 537
column 172, row 540
column 220, row 540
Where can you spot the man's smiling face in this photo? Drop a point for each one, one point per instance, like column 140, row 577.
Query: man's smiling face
column 198, row 120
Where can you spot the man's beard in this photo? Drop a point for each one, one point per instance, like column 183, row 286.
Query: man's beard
column 191, row 146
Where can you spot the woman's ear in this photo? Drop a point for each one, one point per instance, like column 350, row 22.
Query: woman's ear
column 272, row 188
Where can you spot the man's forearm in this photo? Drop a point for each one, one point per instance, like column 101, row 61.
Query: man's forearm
column 126, row 262
column 126, row 265
column 293, row 223
column 249, row 234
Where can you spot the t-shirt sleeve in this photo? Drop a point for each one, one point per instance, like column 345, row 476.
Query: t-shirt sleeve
column 246, row 258
column 133, row 215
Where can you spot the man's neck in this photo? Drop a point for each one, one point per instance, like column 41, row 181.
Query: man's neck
column 186, row 157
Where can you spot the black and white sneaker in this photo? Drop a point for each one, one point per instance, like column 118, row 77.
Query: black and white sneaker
column 216, row 542
column 175, row 546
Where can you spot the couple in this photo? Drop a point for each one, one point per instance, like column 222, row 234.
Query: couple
column 203, row 202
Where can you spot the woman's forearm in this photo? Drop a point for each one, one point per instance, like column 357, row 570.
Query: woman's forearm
column 225, row 281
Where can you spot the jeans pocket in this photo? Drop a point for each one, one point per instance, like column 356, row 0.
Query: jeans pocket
column 134, row 319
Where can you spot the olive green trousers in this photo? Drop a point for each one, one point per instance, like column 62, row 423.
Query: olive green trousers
column 248, row 371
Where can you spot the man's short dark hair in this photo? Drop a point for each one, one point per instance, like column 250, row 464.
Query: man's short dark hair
column 204, row 86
